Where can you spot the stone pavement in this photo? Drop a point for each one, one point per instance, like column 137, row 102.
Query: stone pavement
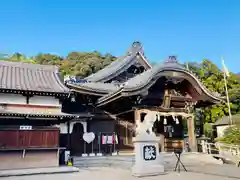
column 198, row 165
column 120, row 174
column 225, row 170
column 37, row 171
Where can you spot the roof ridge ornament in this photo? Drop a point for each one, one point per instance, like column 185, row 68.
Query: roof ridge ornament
column 171, row 59
column 136, row 46
column 74, row 80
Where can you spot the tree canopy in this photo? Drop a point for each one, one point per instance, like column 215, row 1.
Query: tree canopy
column 75, row 63
column 212, row 77
column 231, row 136
column 85, row 63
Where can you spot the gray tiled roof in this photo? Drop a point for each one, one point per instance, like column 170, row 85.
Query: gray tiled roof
column 118, row 66
column 168, row 65
column 37, row 114
column 30, row 77
column 226, row 121
column 144, row 78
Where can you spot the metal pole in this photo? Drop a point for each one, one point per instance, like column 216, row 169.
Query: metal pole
column 228, row 102
column 84, row 147
column 99, row 143
column 68, row 136
column 114, row 147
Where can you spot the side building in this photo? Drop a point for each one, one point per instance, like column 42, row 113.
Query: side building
column 33, row 128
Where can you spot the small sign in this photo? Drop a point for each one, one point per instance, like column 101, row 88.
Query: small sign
column 25, row 128
column 88, row 137
column 66, row 156
column 149, row 153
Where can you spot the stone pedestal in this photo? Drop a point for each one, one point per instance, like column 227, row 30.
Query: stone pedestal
column 148, row 162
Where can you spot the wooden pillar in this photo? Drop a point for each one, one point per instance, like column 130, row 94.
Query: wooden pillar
column 137, row 116
column 85, row 125
column 126, row 133
column 162, row 142
column 68, row 136
column 191, row 134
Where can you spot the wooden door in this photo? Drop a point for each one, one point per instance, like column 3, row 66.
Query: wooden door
column 40, row 138
column 9, row 139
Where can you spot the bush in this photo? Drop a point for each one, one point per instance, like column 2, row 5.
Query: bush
column 208, row 131
column 231, row 136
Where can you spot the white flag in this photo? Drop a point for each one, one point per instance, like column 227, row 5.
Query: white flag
column 225, row 69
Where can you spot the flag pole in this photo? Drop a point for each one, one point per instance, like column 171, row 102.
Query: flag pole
column 226, row 89
column 187, row 66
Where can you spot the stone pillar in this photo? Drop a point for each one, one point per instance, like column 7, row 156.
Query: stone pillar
column 191, row 134
column 148, row 161
column 162, row 142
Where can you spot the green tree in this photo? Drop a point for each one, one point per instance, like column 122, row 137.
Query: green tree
column 48, row 59
column 212, row 77
column 18, row 57
column 76, row 63
column 231, row 136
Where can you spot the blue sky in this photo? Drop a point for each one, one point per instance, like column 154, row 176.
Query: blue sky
column 191, row 29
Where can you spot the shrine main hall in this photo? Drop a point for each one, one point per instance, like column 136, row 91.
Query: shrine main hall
column 119, row 96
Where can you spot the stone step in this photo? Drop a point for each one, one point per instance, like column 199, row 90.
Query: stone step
column 104, row 164
column 106, row 161
column 109, row 158
column 169, row 159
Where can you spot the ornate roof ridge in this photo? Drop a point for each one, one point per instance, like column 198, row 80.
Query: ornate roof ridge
column 29, row 65
column 172, row 64
column 116, row 67
column 141, row 80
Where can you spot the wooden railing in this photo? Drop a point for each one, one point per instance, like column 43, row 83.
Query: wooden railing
column 222, row 151
column 36, row 138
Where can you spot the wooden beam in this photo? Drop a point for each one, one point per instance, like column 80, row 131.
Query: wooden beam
column 162, row 109
column 125, row 112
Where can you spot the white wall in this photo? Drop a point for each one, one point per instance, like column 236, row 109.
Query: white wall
column 63, row 127
column 12, row 99
column 221, row 129
column 44, row 100
column 35, row 100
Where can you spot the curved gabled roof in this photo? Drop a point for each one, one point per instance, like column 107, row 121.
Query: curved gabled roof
column 172, row 68
column 118, row 66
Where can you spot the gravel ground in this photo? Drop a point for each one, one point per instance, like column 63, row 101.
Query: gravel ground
column 122, row 174
column 199, row 167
